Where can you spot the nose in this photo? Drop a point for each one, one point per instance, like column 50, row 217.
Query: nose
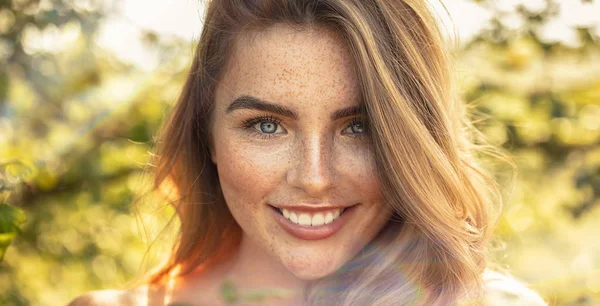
column 312, row 169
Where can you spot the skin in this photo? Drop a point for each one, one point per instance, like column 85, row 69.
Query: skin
column 309, row 158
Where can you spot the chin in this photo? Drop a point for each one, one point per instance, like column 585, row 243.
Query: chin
column 309, row 269
column 310, row 275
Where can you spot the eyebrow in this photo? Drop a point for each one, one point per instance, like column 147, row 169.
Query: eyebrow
column 250, row 102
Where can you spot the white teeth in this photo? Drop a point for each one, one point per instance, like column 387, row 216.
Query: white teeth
column 336, row 213
column 316, row 219
column 304, row 219
column 328, row 218
column 293, row 217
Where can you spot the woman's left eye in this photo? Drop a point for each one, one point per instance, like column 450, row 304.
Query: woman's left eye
column 356, row 128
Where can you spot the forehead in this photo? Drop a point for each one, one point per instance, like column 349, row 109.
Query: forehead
column 305, row 67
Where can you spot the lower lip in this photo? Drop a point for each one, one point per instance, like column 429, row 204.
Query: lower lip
column 313, row 232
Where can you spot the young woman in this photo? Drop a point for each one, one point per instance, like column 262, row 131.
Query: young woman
column 318, row 147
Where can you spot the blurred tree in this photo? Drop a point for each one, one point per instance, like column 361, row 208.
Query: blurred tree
column 541, row 96
column 78, row 122
column 22, row 25
column 563, row 103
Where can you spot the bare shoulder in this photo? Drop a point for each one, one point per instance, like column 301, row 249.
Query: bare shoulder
column 505, row 290
column 113, row 297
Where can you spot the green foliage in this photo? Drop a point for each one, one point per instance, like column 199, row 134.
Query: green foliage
column 229, row 292
column 539, row 100
column 232, row 295
column 10, row 220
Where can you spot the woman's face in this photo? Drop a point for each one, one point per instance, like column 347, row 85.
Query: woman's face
column 281, row 142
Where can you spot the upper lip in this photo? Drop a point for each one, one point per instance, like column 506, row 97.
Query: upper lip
column 311, row 207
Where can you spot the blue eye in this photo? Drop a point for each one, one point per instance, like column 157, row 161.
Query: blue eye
column 357, row 127
column 267, row 126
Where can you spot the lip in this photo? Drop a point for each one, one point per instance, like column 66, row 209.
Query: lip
column 313, row 232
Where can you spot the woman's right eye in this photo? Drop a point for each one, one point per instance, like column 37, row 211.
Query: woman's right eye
column 263, row 127
column 267, row 127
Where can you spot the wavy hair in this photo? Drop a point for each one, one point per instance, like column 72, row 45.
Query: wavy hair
column 433, row 250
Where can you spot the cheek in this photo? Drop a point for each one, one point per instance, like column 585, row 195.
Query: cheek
column 247, row 174
column 364, row 185
column 358, row 168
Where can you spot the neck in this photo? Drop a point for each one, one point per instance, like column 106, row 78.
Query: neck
column 252, row 270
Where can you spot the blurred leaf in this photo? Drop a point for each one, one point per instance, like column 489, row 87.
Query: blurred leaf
column 13, row 171
column 229, row 292
column 262, row 294
column 10, row 220
column 5, row 240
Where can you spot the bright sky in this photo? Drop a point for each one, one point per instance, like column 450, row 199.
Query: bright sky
column 182, row 18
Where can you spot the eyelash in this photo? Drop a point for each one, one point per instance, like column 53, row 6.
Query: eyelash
column 249, row 126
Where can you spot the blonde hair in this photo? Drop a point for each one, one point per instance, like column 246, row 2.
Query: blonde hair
column 434, row 248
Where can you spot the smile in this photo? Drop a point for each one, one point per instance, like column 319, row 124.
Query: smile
column 314, row 219
column 312, row 226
